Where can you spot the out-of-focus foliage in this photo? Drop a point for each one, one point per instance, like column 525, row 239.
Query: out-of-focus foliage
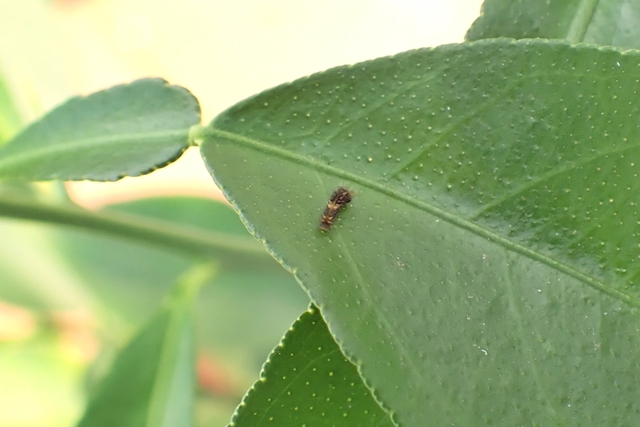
column 10, row 121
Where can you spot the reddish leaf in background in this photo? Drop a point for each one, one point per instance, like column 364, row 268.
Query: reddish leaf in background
column 213, row 377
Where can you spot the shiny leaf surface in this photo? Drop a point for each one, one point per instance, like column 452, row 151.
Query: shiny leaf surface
column 486, row 270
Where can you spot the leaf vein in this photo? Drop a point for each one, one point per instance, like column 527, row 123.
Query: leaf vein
column 412, row 201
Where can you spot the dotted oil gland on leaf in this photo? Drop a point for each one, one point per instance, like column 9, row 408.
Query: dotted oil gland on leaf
column 338, row 199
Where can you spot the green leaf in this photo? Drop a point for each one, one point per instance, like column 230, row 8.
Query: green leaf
column 603, row 22
column 10, row 121
column 486, row 270
column 308, row 381
column 152, row 380
column 126, row 130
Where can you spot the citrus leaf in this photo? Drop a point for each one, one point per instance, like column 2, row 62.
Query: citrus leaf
column 126, row 130
column 603, row 22
column 152, row 380
column 308, row 381
column 485, row 271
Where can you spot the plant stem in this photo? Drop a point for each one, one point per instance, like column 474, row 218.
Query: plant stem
column 226, row 249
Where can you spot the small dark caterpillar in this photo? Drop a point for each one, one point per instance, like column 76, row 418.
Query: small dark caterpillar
column 338, row 199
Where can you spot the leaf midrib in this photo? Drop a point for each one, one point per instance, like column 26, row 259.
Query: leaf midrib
column 426, row 207
column 46, row 151
column 581, row 20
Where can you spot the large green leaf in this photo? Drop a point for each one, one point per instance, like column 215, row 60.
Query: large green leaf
column 486, row 270
column 308, row 381
column 152, row 380
column 126, row 130
column 604, row 22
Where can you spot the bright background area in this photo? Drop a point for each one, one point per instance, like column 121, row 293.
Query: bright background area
column 223, row 51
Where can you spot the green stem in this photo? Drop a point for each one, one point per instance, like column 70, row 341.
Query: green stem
column 581, row 20
column 226, row 249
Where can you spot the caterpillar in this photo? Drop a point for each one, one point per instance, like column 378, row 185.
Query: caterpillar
column 338, row 199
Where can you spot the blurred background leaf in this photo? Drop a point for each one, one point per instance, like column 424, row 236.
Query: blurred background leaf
column 604, row 22
column 49, row 287
column 240, row 312
column 152, row 379
column 10, row 120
